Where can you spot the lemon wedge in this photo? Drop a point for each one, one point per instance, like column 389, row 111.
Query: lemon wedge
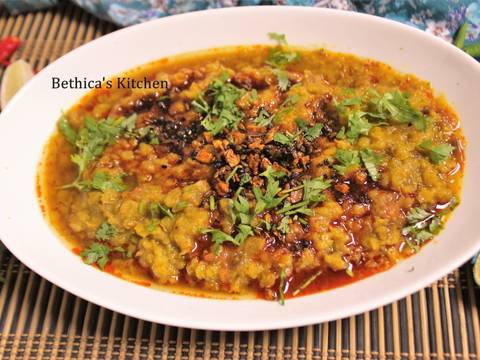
column 15, row 76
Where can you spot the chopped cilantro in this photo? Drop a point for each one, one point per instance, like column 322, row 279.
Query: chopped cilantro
column 436, row 153
column 357, row 125
column 307, row 283
column 224, row 112
column 371, row 161
column 157, row 209
column 67, row 131
column 396, row 107
column 346, row 158
column 96, row 253
column 281, row 39
column 103, row 182
column 269, row 199
column 279, row 57
column 283, row 225
column 282, row 78
column 344, row 104
column 263, row 118
column 106, row 231
column 218, row 238
column 313, row 132
column 287, row 139
column 211, row 203
column 92, row 139
column 423, row 225
column 232, row 174
column 312, row 194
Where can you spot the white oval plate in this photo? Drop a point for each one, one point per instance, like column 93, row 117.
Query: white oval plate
column 30, row 118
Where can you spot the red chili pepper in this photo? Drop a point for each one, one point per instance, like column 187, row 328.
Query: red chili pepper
column 8, row 46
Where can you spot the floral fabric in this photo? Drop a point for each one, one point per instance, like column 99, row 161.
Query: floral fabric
column 439, row 17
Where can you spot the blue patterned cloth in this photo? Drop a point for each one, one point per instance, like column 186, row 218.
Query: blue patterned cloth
column 440, row 17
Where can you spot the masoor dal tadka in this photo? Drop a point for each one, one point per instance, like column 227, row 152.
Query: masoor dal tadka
column 265, row 170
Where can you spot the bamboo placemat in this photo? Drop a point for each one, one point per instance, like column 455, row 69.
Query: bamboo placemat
column 41, row 321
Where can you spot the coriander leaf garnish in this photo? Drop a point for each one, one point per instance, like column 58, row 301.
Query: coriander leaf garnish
column 357, row 125
column 283, row 225
column 346, row 158
column 282, row 78
column 279, row 57
column 218, row 238
column 307, row 282
column 312, row 194
column 96, row 253
column 263, row 118
column 93, row 137
column 103, row 182
column 106, row 231
column 417, row 214
column 211, row 203
column 281, row 39
column 313, row 132
column 67, row 131
column 232, row 174
column 241, row 217
column 156, row 209
column 436, row 153
column 287, row 139
column 423, row 225
column 371, row 161
column 224, row 112
column 269, row 199
column 312, row 190
column 396, row 107
column 344, row 104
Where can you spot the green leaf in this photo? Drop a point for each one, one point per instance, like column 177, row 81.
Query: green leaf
column 263, row 118
column 437, row 153
column 285, row 139
column 279, row 57
column 218, row 237
column 92, row 139
column 96, row 253
column 417, row 214
column 282, row 78
column 283, row 225
column 371, row 161
column 157, row 209
column 232, row 174
column 128, row 124
column 395, row 106
column 103, row 181
column 357, row 125
column 313, row 132
column 279, row 38
column 67, row 131
column 106, row 231
column 224, row 113
column 344, row 104
column 212, row 204
column 312, row 190
column 346, row 158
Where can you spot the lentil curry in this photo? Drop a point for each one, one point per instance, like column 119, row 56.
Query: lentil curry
column 266, row 170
